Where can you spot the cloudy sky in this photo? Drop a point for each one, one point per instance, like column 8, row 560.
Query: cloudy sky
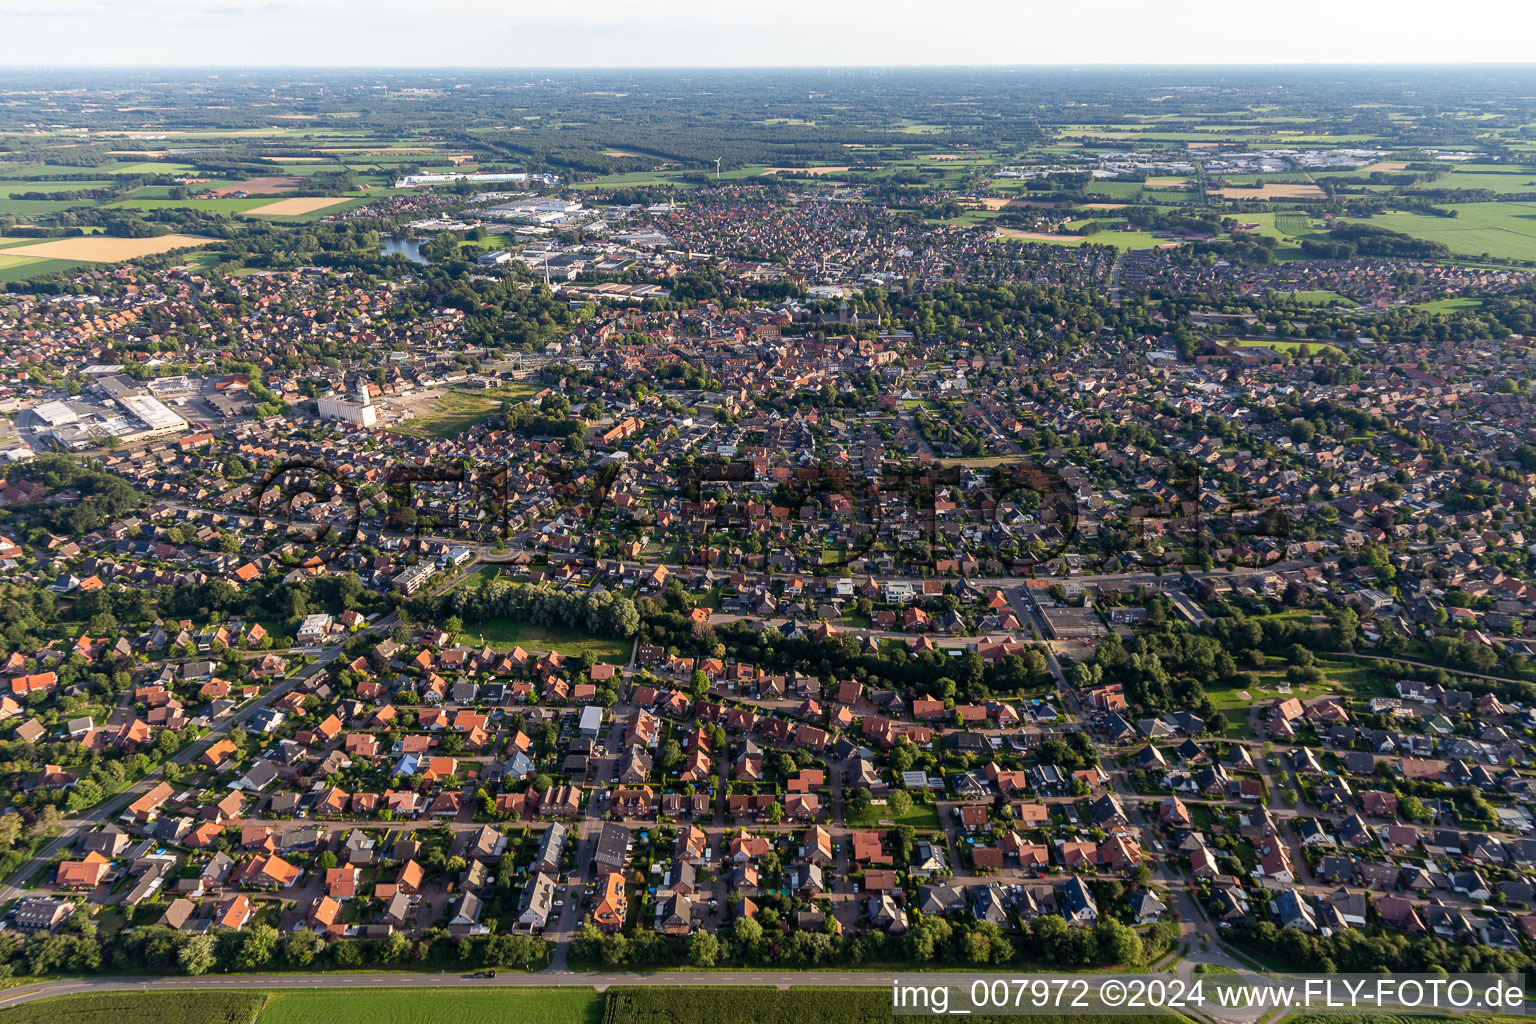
column 672, row 33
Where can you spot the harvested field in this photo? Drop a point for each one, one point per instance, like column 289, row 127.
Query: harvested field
column 1285, row 191
column 1385, row 166
column 269, row 186
column 1101, row 206
column 620, row 153
column 101, row 249
column 1168, row 182
column 296, row 207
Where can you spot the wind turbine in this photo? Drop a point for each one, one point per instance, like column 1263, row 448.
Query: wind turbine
column 717, row 168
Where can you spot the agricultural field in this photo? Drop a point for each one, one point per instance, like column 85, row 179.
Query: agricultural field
column 1499, row 230
column 795, row 1006
column 103, row 249
column 140, row 1008
column 1270, row 191
column 638, row 179
column 22, row 268
column 1505, row 182
column 297, row 207
column 206, row 205
column 434, row 1006
column 271, row 185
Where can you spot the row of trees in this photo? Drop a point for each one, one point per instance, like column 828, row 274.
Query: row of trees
column 934, row 940
column 80, row 950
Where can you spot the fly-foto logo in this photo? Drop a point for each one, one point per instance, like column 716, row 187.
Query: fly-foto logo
column 316, row 505
column 1010, row 517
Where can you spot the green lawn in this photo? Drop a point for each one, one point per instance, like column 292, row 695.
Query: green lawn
column 920, row 816
column 1234, row 707
column 1320, row 297
column 435, row 1006
column 571, row 642
column 1456, row 305
column 1286, row 345
column 474, row 579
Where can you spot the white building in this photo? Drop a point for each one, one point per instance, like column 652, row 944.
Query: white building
column 157, row 417
column 55, row 414
column 357, row 410
column 314, row 629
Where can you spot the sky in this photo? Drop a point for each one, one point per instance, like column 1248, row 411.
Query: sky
column 700, row 33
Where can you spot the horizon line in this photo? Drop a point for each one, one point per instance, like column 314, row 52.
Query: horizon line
column 1050, row 65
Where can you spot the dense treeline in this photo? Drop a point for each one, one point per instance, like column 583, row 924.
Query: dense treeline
column 103, row 496
column 1369, row 951
column 602, row 612
column 1349, row 240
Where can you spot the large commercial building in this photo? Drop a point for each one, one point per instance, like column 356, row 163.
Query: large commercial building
column 357, row 409
column 157, row 417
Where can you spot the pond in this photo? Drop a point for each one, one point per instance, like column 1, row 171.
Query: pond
column 410, row 248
